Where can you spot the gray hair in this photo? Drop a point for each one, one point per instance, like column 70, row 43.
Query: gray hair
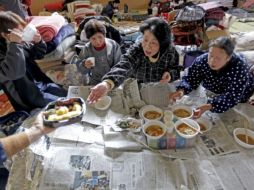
column 224, row 43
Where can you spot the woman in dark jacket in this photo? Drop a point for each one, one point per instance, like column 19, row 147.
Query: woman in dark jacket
column 154, row 59
column 23, row 82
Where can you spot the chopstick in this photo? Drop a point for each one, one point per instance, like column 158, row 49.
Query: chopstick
column 189, row 125
column 245, row 131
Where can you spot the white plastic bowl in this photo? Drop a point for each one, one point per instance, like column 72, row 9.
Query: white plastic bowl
column 150, row 123
column 238, row 131
column 148, row 108
column 190, row 121
column 205, row 122
column 187, row 108
column 103, row 103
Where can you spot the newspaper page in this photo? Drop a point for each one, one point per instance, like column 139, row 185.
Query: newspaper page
column 119, row 140
column 132, row 94
column 236, row 171
column 79, row 132
column 156, row 94
column 76, row 169
column 99, row 117
column 142, row 171
column 216, row 141
column 197, row 174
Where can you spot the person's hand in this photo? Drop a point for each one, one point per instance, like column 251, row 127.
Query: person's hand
column 166, row 77
column 15, row 36
column 97, row 92
column 88, row 64
column 37, row 38
column 176, row 95
column 200, row 110
column 38, row 123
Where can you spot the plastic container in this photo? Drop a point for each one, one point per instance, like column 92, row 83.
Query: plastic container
column 66, row 119
column 150, row 108
column 204, row 124
column 243, row 131
column 192, row 133
column 103, row 103
column 184, row 108
column 155, row 141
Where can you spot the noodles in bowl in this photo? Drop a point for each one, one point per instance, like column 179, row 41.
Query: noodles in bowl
column 181, row 111
column 150, row 112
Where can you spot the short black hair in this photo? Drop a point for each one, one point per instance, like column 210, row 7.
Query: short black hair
column 224, row 43
column 160, row 29
column 93, row 26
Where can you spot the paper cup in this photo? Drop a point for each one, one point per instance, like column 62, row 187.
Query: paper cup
column 155, row 141
column 29, row 33
column 92, row 59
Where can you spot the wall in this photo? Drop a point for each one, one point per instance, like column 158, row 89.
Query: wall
column 37, row 5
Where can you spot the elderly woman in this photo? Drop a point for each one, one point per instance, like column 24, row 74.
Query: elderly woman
column 105, row 52
column 222, row 72
column 153, row 59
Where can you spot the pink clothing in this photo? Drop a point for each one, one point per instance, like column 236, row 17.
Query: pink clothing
column 48, row 26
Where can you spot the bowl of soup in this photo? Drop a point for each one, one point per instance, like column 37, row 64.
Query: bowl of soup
column 243, row 140
column 154, row 129
column 181, row 111
column 150, row 112
column 204, row 124
column 184, row 130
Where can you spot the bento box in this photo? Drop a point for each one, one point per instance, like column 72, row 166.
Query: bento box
column 64, row 112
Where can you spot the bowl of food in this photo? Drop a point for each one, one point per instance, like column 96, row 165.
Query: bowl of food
column 150, row 112
column 204, row 124
column 63, row 112
column 103, row 103
column 182, row 111
column 182, row 127
column 244, row 137
column 154, row 131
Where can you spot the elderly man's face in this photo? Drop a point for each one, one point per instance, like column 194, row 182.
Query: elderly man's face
column 217, row 58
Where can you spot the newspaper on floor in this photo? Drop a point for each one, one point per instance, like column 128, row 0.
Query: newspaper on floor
column 119, row 140
column 99, row 117
column 79, row 132
column 75, row 169
column 236, row 171
column 217, row 141
column 89, row 167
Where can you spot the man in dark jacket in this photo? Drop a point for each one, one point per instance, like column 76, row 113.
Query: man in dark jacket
column 110, row 8
column 23, row 82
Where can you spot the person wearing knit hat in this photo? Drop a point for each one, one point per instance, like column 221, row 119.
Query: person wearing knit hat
column 153, row 59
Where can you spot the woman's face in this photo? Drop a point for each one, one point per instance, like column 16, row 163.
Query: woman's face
column 217, row 58
column 150, row 44
column 97, row 40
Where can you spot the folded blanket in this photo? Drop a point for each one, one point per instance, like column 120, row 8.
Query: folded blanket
column 64, row 32
column 48, row 26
